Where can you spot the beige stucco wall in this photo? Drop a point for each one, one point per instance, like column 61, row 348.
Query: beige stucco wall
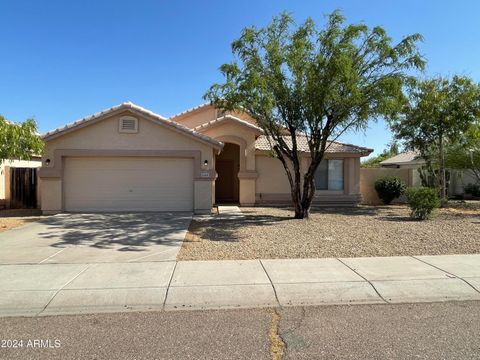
column 104, row 135
column 244, row 116
column 227, row 132
column 352, row 167
column 205, row 114
column 203, row 198
column 272, row 178
column 272, row 184
column 245, row 138
column 368, row 176
column 197, row 117
column 411, row 176
column 247, row 192
column 52, row 196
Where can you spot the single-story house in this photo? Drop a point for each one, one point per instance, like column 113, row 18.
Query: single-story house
column 128, row 158
column 458, row 179
column 405, row 160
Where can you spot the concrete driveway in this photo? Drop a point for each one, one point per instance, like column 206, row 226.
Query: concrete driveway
column 80, row 262
column 96, row 238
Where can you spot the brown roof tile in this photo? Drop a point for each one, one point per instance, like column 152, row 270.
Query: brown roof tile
column 334, row 146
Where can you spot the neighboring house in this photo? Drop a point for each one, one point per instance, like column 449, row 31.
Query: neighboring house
column 5, row 167
column 128, row 158
column 412, row 160
column 405, row 160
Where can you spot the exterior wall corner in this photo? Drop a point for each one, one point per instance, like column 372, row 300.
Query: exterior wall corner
column 247, row 191
column 202, row 194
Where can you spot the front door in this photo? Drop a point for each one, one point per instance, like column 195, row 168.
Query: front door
column 225, row 184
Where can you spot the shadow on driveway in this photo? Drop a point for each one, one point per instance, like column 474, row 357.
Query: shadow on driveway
column 120, row 231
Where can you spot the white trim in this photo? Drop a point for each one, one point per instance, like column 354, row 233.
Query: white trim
column 226, row 118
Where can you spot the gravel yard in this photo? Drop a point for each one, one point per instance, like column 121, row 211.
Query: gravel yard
column 270, row 233
column 13, row 218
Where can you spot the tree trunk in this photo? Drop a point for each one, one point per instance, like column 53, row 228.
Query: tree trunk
column 308, row 193
column 443, row 177
column 302, row 200
column 297, row 195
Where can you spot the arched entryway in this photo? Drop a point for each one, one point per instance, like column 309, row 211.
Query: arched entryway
column 227, row 166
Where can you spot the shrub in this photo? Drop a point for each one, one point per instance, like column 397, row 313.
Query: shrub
column 472, row 189
column 422, row 202
column 389, row 188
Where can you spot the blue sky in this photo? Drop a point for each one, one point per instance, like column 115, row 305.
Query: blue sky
column 62, row 60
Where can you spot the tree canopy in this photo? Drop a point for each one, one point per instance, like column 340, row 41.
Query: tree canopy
column 315, row 82
column 374, row 161
column 465, row 154
column 19, row 141
column 439, row 111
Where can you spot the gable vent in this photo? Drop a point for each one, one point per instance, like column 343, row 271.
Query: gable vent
column 128, row 124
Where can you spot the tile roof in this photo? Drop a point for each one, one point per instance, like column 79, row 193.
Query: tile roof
column 333, row 147
column 190, row 110
column 228, row 118
column 136, row 108
column 405, row 157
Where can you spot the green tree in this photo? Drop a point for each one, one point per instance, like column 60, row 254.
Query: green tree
column 301, row 80
column 19, row 141
column 465, row 154
column 387, row 153
column 439, row 111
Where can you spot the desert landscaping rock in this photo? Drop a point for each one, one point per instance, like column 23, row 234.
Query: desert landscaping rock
column 272, row 233
column 13, row 218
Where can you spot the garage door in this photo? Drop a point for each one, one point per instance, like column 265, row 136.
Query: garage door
column 128, row 184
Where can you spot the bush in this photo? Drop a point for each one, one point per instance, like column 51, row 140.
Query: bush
column 472, row 189
column 422, row 202
column 389, row 188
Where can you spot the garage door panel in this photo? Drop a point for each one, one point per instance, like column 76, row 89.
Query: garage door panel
column 128, row 184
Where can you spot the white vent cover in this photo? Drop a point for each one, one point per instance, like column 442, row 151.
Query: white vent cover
column 128, row 124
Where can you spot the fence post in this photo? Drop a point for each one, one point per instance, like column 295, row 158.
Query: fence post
column 8, row 195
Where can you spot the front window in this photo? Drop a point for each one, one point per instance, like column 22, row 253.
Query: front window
column 329, row 175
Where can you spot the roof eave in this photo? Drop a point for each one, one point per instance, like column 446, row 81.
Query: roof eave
column 222, row 120
column 159, row 119
column 189, row 111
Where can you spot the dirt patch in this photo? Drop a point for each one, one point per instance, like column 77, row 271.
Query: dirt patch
column 271, row 233
column 462, row 207
column 12, row 218
column 277, row 345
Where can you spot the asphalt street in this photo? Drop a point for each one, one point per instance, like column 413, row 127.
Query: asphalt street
column 404, row 331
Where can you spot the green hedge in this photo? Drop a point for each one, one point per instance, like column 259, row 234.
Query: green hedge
column 422, row 202
column 389, row 188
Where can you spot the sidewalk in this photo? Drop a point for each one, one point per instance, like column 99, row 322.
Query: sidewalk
column 48, row 289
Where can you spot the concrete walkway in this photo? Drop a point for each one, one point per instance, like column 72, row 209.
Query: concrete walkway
column 229, row 210
column 46, row 289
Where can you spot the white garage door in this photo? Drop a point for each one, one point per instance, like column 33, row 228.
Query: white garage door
column 128, row 184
